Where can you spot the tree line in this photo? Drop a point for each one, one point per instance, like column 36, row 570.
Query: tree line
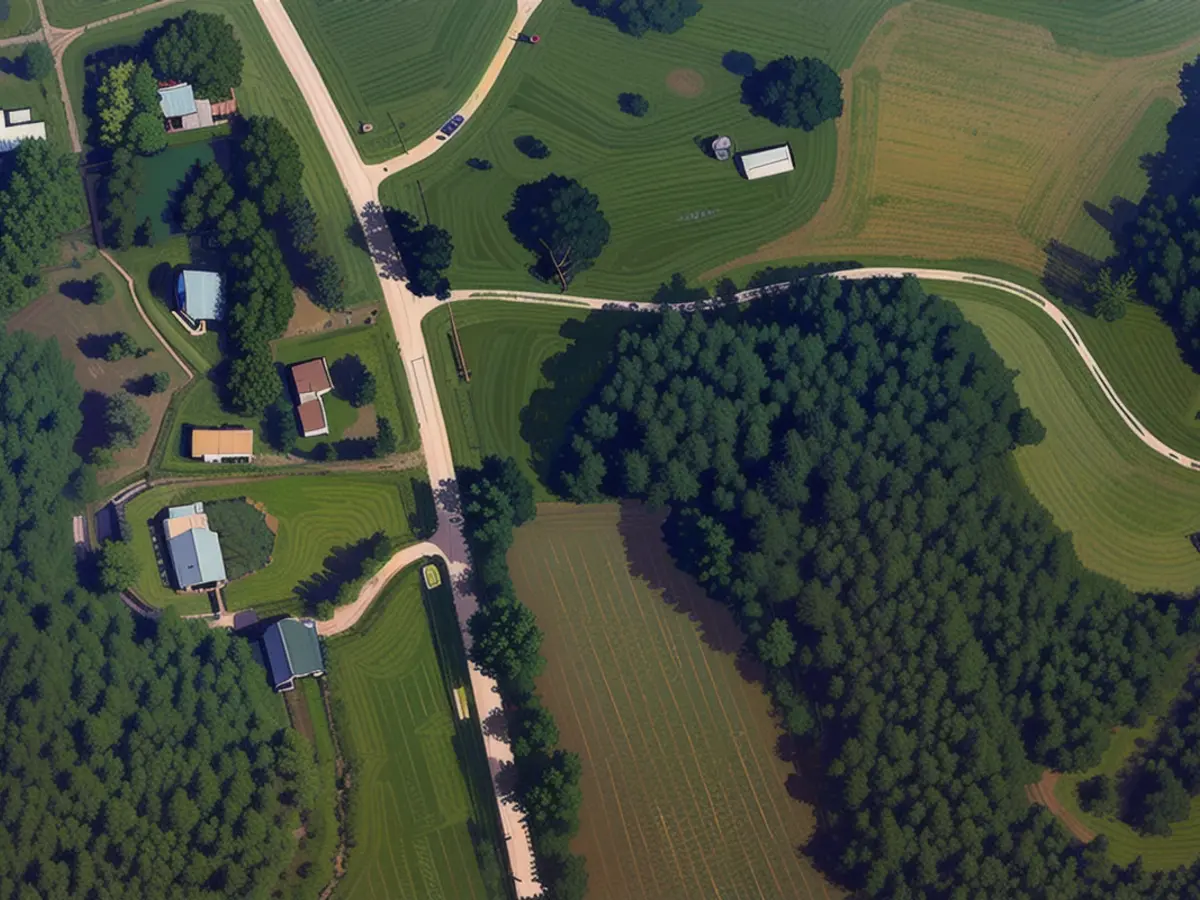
column 835, row 460
column 135, row 759
column 497, row 499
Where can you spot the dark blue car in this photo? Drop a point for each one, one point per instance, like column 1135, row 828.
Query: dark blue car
column 452, row 125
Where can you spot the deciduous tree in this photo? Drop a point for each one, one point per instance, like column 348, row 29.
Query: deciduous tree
column 559, row 221
column 201, row 49
column 794, row 93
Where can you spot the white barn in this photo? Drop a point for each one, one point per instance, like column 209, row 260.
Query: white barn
column 764, row 163
column 17, row 125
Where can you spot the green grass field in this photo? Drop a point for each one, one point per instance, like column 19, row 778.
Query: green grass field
column 683, row 793
column 267, row 89
column 507, row 346
column 1129, row 510
column 164, row 178
column 403, row 67
column 75, row 13
column 421, row 793
column 22, row 18
column 670, row 206
column 318, row 517
column 40, row 96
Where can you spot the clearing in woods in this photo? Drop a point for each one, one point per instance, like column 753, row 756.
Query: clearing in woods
column 403, row 67
column 967, row 135
column 421, row 792
column 684, row 793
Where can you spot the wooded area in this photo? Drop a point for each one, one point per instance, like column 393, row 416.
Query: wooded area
column 137, row 759
column 834, row 460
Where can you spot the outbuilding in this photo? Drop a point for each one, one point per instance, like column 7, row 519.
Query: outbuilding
column 199, row 297
column 293, row 651
column 766, row 162
column 17, row 125
column 217, row 445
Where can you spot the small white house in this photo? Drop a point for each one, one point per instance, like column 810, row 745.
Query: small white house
column 765, row 163
column 17, row 125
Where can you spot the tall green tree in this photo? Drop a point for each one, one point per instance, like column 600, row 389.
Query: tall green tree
column 637, row 17
column 253, row 382
column 794, row 93
column 1111, row 296
column 201, row 49
column 119, row 565
column 37, row 62
column 560, row 222
column 125, row 420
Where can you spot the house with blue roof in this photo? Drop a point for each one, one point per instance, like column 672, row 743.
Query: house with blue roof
column 199, row 297
column 193, row 548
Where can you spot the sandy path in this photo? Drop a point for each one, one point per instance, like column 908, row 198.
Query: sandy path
column 1043, row 792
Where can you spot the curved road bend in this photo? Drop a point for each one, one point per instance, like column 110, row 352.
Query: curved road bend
column 361, row 186
column 1044, row 303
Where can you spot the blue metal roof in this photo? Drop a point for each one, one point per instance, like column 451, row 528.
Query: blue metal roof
column 293, row 651
column 179, row 512
column 177, row 101
column 200, row 294
column 196, row 557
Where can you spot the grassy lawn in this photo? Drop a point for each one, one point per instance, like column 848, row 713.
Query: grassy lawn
column 1125, row 844
column 404, row 67
column 670, row 206
column 375, row 345
column 421, row 786
column 74, row 13
column 508, row 347
column 312, row 867
column 267, row 89
column 1129, row 510
column 64, row 314
column 966, row 135
column 684, row 794
column 40, row 96
column 320, row 519
column 22, row 18
column 1123, row 183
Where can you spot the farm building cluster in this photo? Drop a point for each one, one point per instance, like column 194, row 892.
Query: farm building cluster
column 183, row 111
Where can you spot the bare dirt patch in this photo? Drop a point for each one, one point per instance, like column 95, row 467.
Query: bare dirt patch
column 971, row 136
column 364, row 424
column 311, row 319
column 685, row 82
column 1043, row 793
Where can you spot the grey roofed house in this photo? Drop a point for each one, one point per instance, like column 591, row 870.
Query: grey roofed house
column 194, row 549
column 177, row 101
column 293, row 651
column 199, row 295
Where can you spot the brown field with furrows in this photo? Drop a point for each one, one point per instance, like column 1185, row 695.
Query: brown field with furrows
column 685, row 793
column 970, row 136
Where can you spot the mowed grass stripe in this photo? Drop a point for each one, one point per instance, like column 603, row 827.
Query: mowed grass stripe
column 1129, row 510
column 411, row 804
column 685, row 778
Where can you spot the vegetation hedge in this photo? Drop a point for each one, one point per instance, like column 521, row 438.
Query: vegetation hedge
column 246, row 541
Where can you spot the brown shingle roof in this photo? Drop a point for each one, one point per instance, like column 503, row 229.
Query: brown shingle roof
column 312, row 416
column 229, row 441
column 311, row 376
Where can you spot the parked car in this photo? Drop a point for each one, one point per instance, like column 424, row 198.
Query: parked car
column 451, row 126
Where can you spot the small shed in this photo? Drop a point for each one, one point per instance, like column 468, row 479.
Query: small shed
column 293, row 651
column 766, row 162
column 199, row 295
column 223, row 444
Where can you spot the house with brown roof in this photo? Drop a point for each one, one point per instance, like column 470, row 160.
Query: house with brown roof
column 221, row 445
column 311, row 381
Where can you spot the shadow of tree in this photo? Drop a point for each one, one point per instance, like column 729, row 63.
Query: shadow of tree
column 571, row 378
column 78, row 290
column 343, row 565
column 93, row 433
column 1067, row 274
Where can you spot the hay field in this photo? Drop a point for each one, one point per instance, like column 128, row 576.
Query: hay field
column 968, row 135
column 267, row 89
column 683, row 793
column 318, row 517
column 1129, row 510
column 416, row 770
column 403, row 67
column 510, row 348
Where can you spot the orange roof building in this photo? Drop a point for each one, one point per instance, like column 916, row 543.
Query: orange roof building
column 223, row 444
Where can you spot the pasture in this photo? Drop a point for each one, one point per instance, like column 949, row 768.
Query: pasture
column 972, row 136
column 321, row 519
column 76, row 13
column 267, row 89
column 421, row 794
column 1129, row 510
column 21, row 18
column 684, row 792
column 63, row 312
column 403, row 67
column 40, row 96
column 510, row 349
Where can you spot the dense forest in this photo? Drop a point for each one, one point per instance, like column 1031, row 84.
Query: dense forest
column 835, row 462
column 136, row 760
